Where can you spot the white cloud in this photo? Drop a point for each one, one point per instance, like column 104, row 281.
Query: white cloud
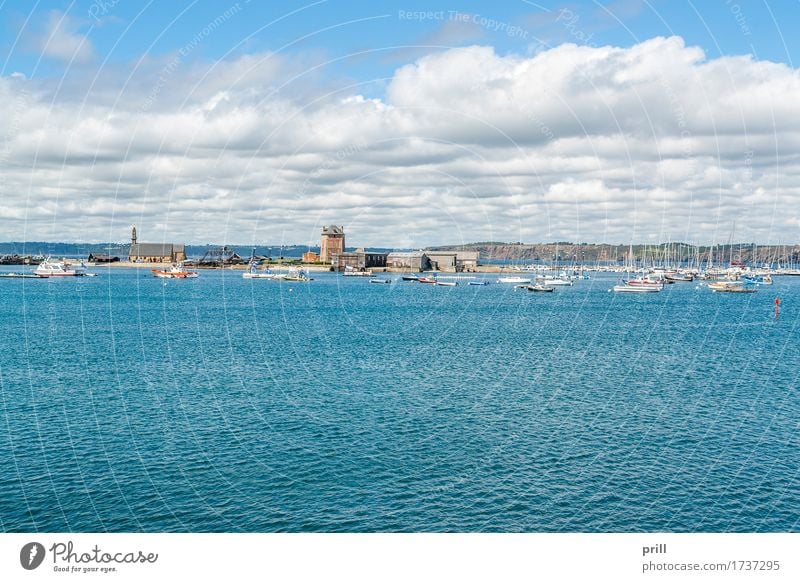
column 61, row 40
column 654, row 141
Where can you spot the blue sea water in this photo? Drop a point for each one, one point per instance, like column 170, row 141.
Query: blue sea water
column 221, row 404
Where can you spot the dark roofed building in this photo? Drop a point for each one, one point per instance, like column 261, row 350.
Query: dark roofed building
column 101, row 258
column 155, row 252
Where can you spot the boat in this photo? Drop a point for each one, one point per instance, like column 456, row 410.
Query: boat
column 351, row 272
column 517, row 280
column 730, row 287
column 678, row 277
column 410, row 278
column 22, row 276
column 51, row 268
column 636, row 288
column 478, row 283
column 253, row 273
column 644, row 282
column 540, row 288
column 426, row 280
column 176, row 271
column 554, row 282
column 380, row 281
column 297, row 275
column 758, row 279
column 447, row 283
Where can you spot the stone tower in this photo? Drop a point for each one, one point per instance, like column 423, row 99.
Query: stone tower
column 133, row 236
column 332, row 242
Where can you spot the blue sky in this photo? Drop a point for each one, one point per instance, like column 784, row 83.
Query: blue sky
column 122, row 31
column 412, row 123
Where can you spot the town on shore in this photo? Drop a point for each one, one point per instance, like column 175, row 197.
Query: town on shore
column 333, row 254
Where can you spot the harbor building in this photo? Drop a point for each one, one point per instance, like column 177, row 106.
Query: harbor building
column 332, row 241
column 155, row 252
column 458, row 261
column 310, row 257
column 359, row 260
column 413, row 261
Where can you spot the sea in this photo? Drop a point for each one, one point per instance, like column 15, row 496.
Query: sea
column 220, row 404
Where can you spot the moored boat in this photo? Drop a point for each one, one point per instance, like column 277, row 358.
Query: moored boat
column 540, row 288
column 447, row 283
column 383, row 281
column 176, row 271
column 516, row 280
column 51, row 268
column 636, row 288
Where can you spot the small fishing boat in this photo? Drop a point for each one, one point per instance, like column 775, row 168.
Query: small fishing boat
column 447, row 283
column 540, row 288
column 410, row 278
column 758, row 279
column 384, row 281
column 637, row 289
column 176, row 271
column 51, row 268
column 516, row 280
column 426, row 280
column 297, row 275
column 478, row 283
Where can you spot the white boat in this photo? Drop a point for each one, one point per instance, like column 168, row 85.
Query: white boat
column 636, row 289
column 254, row 273
column 380, row 281
column 447, row 283
column 517, row 280
column 50, row 268
column 554, row 282
column 351, row 272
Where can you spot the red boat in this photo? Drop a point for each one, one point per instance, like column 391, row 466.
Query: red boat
column 175, row 272
column 426, row 280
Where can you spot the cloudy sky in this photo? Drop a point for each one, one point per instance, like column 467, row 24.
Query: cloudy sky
column 411, row 123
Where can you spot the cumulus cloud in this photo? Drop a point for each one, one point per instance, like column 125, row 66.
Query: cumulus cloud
column 646, row 143
column 61, row 40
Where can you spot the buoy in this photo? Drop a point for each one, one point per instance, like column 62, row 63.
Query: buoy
column 777, row 307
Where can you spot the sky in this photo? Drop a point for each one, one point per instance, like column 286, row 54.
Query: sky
column 410, row 123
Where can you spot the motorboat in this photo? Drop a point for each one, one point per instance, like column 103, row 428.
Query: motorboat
column 515, row 280
column 176, row 271
column 447, row 283
column 426, row 280
column 384, row 281
column 51, row 268
column 538, row 287
column 410, row 278
column 297, row 275
column 478, row 283
column 254, row 273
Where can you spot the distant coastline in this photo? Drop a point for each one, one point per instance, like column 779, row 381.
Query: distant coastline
column 492, row 252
